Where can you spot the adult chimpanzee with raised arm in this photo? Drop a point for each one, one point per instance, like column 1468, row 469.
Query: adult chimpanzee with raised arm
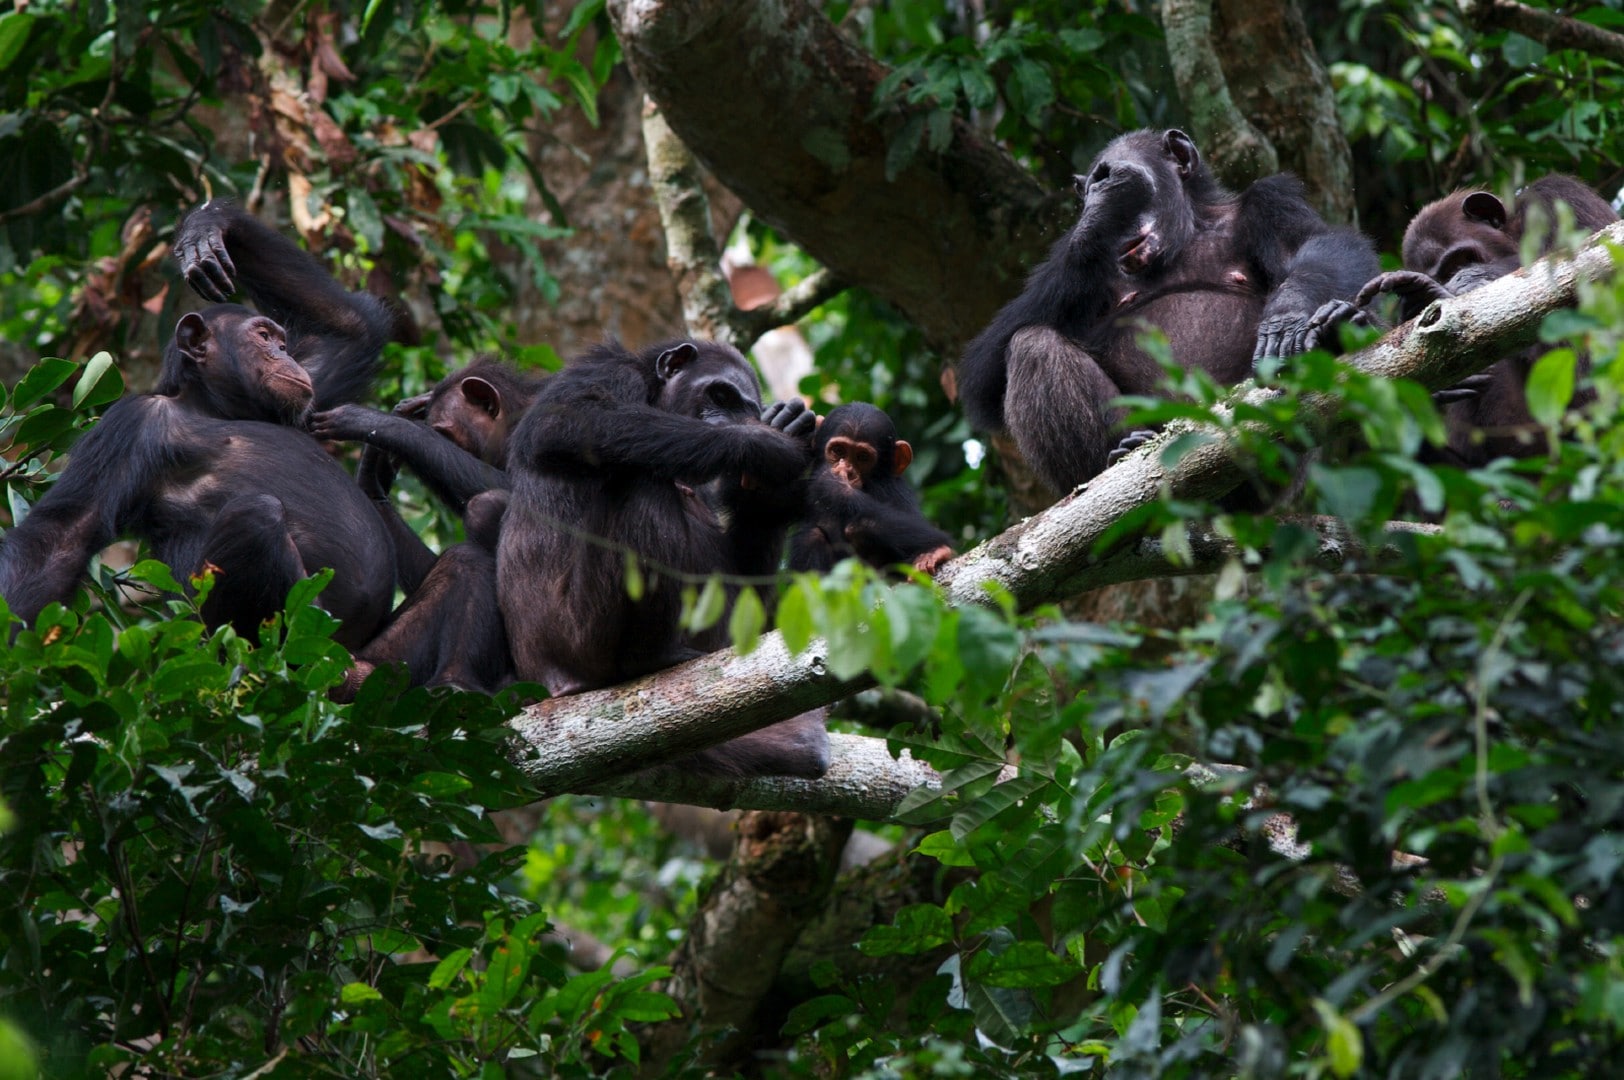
column 1468, row 239
column 1227, row 278
column 607, row 462
column 211, row 468
column 858, row 503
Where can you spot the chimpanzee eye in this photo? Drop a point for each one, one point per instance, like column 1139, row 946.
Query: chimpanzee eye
column 724, row 395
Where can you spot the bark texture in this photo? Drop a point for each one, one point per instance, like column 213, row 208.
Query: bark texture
column 1556, row 31
column 947, row 239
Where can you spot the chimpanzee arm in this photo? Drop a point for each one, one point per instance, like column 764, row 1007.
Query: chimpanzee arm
column 1065, row 292
column 452, row 473
column 881, row 532
column 1304, row 262
column 336, row 334
column 594, row 435
column 43, row 558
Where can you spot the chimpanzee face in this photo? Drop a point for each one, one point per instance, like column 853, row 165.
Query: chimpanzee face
column 1461, row 241
column 710, row 382
column 1134, row 197
column 242, row 365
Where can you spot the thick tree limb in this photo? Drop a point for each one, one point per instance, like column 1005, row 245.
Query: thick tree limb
column 947, row 238
column 1555, row 31
column 577, row 742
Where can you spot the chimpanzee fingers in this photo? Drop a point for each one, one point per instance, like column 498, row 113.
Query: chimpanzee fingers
column 413, row 407
column 1405, row 283
column 931, row 561
column 1132, row 441
column 1275, row 336
column 342, row 423
column 1468, row 389
column 792, row 417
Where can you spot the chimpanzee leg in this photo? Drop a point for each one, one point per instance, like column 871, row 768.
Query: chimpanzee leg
column 447, row 633
column 798, row 746
column 254, row 561
column 1055, row 404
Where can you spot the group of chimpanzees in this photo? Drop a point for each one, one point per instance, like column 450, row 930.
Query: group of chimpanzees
column 667, row 453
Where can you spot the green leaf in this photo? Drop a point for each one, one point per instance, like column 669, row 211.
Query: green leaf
column 708, row 608
column 942, row 847
column 14, row 27
column 1023, row 964
column 1344, row 1045
column 447, row 970
column 99, row 383
column 916, row 928
column 41, row 379
column 634, row 577
column 1550, row 386
column 744, row 627
column 357, row 993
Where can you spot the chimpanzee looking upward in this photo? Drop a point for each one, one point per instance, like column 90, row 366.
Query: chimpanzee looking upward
column 1465, row 240
column 209, row 467
column 858, row 502
column 1228, row 279
column 604, row 463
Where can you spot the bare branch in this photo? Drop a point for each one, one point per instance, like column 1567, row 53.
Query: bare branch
column 793, row 304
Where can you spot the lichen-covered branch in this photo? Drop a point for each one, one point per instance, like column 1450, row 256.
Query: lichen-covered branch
column 1554, row 30
column 690, row 248
column 1238, row 152
column 575, row 743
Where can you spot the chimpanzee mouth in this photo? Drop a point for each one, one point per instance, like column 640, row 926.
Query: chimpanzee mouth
column 1138, row 251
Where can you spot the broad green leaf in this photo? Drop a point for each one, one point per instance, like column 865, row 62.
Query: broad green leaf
column 744, row 626
column 1550, row 386
column 1023, row 964
column 1344, row 1045
column 41, row 379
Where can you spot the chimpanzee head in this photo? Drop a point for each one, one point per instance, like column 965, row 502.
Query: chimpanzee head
column 706, row 380
column 234, row 364
column 477, row 407
column 1139, row 197
column 858, row 443
column 1461, row 241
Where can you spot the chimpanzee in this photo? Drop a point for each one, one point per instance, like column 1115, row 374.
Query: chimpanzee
column 211, row 467
column 858, row 502
column 1228, row 279
column 606, row 463
column 1458, row 243
column 448, row 631
column 463, row 449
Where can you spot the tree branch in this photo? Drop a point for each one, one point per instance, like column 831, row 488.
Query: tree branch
column 690, row 248
column 578, row 743
column 1239, row 152
column 1555, row 31
column 945, row 237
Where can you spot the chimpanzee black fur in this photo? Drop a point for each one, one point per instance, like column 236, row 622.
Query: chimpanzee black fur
column 607, row 461
column 859, row 504
column 1228, row 279
column 211, row 468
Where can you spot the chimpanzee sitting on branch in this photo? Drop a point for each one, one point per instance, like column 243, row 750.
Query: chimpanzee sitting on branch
column 212, row 468
column 1227, row 278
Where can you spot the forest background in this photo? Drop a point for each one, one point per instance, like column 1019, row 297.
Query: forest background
column 1183, row 795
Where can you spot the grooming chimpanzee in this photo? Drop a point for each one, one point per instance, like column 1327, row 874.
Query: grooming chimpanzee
column 460, row 453
column 1458, row 243
column 607, row 461
column 1228, row 279
column 211, row 468
column 463, row 449
column 858, row 502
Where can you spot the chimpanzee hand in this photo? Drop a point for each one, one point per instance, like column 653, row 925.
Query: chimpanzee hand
column 1132, row 441
column 1286, row 334
column 1412, row 286
column 931, row 561
column 793, row 418
column 346, row 423
column 200, row 246
column 1468, row 389
column 1115, row 200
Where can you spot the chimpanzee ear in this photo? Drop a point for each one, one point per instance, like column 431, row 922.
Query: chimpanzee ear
column 901, row 457
column 482, row 394
column 675, row 359
column 192, row 338
column 1181, row 148
column 1481, row 206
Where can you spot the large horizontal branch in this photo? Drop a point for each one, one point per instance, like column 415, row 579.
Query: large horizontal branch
column 1554, row 30
column 944, row 236
column 578, row 743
